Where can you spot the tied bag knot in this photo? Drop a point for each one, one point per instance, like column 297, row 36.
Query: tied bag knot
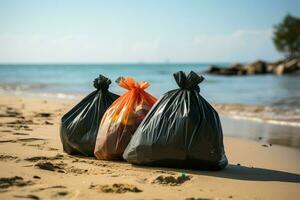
column 130, row 84
column 189, row 82
column 102, row 83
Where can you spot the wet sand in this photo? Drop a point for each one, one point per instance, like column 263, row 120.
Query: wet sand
column 33, row 165
column 278, row 134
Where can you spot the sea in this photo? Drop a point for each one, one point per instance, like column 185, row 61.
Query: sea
column 277, row 96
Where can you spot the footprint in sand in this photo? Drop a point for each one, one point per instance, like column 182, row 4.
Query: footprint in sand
column 43, row 114
column 27, row 142
column 50, row 166
column 116, row 188
column 18, row 133
column 13, row 181
column 52, row 149
column 58, row 167
column 22, row 140
column 61, row 193
column 40, row 158
column 29, row 196
column 171, row 180
column 51, row 187
column 7, row 157
column 10, row 112
column 5, row 131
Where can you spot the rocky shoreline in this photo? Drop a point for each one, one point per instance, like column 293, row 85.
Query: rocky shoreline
column 281, row 67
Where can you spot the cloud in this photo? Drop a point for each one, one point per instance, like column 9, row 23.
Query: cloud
column 75, row 48
column 240, row 45
column 243, row 45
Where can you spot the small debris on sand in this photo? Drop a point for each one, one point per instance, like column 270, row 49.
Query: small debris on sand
column 48, row 166
column 116, row 188
column 264, row 145
column 171, row 180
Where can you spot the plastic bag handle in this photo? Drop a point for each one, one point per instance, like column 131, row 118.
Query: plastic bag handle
column 189, row 82
column 102, row 83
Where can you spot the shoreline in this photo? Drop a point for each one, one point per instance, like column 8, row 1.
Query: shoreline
column 259, row 113
column 29, row 136
column 286, row 116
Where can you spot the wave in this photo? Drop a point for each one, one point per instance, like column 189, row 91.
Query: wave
column 34, row 90
column 282, row 112
column 288, row 116
column 19, row 87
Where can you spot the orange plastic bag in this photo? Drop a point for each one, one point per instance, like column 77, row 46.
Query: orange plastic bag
column 122, row 118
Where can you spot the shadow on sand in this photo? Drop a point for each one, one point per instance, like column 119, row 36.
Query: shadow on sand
column 237, row 172
column 242, row 173
column 253, row 174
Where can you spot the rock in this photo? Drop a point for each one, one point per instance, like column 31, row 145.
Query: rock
column 289, row 67
column 258, row 67
column 249, row 69
column 213, row 69
column 222, row 71
column 237, row 69
column 228, row 72
column 279, row 70
column 236, row 66
column 292, row 65
column 271, row 67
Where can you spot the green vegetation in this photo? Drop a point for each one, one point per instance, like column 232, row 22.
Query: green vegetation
column 287, row 36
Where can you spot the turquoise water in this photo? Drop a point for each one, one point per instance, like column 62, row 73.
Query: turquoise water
column 73, row 79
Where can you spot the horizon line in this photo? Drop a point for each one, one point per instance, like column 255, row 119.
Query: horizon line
column 116, row 63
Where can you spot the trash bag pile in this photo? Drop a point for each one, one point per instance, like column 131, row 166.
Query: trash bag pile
column 180, row 130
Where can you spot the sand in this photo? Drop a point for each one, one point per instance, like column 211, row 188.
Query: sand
column 34, row 166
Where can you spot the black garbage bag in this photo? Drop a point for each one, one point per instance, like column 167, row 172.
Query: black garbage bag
column 79, row 126
column 181, row 130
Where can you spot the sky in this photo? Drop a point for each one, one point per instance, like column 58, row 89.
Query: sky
column 119, row 31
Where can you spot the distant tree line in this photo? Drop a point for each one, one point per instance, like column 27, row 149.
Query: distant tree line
column 287, row 36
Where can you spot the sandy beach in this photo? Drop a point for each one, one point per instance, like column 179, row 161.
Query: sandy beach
column 34, row 166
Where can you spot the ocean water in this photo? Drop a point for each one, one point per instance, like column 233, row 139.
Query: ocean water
column 273, row 100
column 69, row 80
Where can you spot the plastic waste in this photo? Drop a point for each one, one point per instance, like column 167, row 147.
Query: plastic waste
column 79, row 126
column 182, row 130
column 122, row 118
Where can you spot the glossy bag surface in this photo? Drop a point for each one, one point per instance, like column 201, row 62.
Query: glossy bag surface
column 79, row 126
column 181, row 130
column 122, row 118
